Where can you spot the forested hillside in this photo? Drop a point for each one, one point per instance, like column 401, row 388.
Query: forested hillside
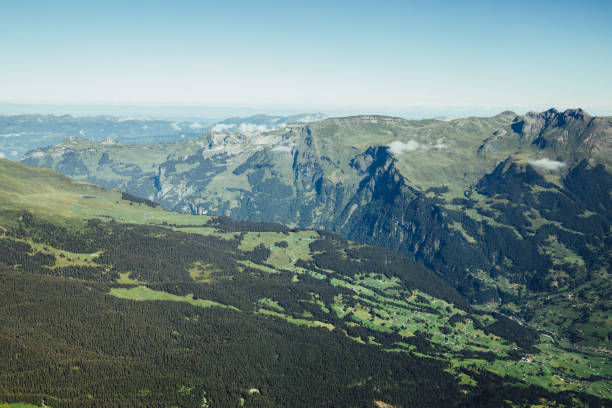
column 108, row 300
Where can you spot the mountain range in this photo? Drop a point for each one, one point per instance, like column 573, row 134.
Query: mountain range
column 510, row 216
column 109, row 300
column 22, row 133
column 495, row 205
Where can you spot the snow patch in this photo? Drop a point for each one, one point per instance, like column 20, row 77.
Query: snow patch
column 196, row 125
column 547, row 164
column 284, row 149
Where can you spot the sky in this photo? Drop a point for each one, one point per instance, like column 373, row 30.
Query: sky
column 355, row 56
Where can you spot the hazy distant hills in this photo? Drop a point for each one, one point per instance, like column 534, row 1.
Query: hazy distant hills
column 505, row 208
column 22, row 133
column 260, row 123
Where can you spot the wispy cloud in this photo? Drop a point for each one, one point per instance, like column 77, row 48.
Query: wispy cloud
column 285, row 149
column 399, row 147
column 252, row 128
column 221, row 127
column 547, row 164
column 440, row 144
column 16, row 134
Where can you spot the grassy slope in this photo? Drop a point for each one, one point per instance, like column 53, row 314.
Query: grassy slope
column 19, row 405
column 376, row 302
column 55, row 197
column 446, row 153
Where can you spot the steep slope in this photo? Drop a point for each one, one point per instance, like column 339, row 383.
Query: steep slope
column 201, row 311
column 504, row 208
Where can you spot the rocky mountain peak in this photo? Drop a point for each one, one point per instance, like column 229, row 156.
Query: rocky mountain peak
column 554, row 117
column 577, row 114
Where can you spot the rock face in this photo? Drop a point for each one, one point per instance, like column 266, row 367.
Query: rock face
column 500, row 207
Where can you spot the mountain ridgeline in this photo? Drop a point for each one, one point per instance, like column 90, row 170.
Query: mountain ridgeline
column 503, row 208
column 22, row 133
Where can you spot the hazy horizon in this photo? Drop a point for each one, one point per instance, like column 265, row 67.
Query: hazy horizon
column 219, row 113
column 398, row 58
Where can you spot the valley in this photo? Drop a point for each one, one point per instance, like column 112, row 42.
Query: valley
column 174, row 275
column 513, row 210
column 358, row 204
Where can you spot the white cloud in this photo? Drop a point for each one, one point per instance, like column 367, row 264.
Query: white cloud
column 14, row 153
column 399, row 147
column 440, row 144
column 252, row 128
column 196, row 125
column 311, row 118
column 221, row 127
column 176, row 126
column 2, row 155
column 547, row 164
column 134, row 118
column 16, row 134
column 265, row 140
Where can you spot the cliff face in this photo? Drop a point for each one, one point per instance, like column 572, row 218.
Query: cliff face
column 501, row 207
column 572, row 134
column 514, row 223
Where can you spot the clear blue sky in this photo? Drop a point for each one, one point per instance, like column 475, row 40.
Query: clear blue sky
column 312, row 55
